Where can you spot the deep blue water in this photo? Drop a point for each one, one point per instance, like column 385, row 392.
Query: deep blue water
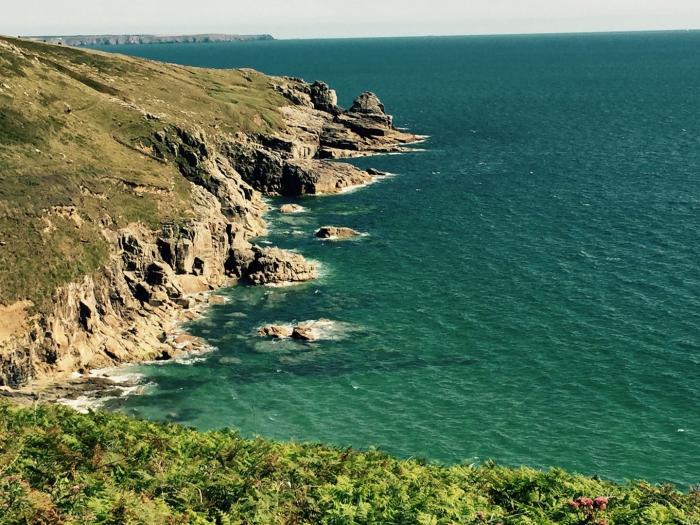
column 529, row 290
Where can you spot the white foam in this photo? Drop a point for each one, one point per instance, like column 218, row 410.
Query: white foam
column 336, row 238
column 189, row 360
column 82, row 404
column 116, row 375
column 94, row 400
column 284, row 284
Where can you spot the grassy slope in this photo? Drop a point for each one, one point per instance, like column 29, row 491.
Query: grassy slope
column 57, row 466
column 50, row 157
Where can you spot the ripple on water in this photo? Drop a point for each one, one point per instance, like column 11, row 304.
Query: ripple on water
column 536, row 302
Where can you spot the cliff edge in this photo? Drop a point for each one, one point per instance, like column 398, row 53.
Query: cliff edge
column 131, row 188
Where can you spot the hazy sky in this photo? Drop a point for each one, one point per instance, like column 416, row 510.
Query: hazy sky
column 328, row 18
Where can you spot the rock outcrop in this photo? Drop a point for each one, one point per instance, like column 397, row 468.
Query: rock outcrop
column 368, row 106
column 324, row 98
column 305, row 331
column 276, row 266
column 127, row 311
column 276, row 331
column 364, row 129
column 291, row 208
column 336, row 232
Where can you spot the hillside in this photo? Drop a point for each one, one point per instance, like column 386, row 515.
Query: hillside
column 61, row 467
column 127, row 187
column 66, row 117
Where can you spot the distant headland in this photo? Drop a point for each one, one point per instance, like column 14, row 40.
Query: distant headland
column 95, row 40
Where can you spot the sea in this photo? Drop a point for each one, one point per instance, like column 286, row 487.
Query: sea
column 527, row 290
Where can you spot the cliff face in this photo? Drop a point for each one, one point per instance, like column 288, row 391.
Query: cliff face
column 153, row 272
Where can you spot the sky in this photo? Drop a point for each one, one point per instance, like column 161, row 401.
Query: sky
column 346, row 18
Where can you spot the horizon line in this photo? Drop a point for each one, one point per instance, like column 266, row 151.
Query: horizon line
column 371, row 37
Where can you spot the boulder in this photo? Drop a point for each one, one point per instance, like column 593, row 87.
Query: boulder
column 291, row 208
column 159, row 273
column 368, row 103
column 324, row 98
column 158, row 298
column 336, row 232
column 273, row 265
column 304, row 333
column 275, row 331
column 217, row 300
column 185, row 302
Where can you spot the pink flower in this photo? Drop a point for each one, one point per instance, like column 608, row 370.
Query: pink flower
column 574, row 504
column 600, row 503
column 586, row 502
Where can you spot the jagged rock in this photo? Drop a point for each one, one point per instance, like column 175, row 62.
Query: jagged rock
column 87, row 314
column 158, row 298
column 291, row 147
column 324, row 98
column 304, row 333
column 164, row 356
column 291, row 208
column 273, row 265
column 259, row 167
column 314, row 177
column 367, row 103
column 185, row 302
column 336, row 232
column 275, row 331
column 159, row 273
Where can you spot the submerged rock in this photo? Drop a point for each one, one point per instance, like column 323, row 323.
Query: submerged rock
column 336, row 232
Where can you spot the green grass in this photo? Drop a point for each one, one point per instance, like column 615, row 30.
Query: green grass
column 57, row 466
column 72, row 123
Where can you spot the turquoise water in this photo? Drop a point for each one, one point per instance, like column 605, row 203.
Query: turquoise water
column 529, row 290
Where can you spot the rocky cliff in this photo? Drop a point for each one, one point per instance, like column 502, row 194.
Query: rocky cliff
column 127, row 307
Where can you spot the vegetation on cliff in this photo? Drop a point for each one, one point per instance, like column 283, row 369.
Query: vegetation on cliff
column 57, row 466
column 127, row 187
column 76, row 152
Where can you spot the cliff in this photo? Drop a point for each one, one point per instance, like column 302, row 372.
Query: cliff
column 96, row 40
column 128, row 188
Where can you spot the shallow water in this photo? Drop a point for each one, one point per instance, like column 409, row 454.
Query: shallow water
column 529, row 290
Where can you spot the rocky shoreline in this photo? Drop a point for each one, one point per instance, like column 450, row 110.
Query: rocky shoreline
column 131, row 310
